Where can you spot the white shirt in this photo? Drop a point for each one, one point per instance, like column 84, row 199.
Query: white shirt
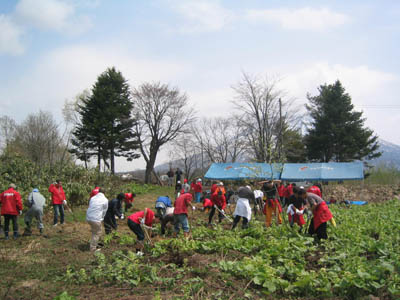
column 97, row 209
column 258, row 194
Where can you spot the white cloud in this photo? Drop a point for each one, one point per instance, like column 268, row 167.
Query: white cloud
column 202, row 16
column 10, row 37
column 52, row 15
column 299, row 19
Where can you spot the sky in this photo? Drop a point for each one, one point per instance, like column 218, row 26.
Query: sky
column 52, row 50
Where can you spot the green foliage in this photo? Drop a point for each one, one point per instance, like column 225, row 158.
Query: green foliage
column 64, row 296
column 360, row 258
column 384, row 175
column 337, row 132
column 106, row 124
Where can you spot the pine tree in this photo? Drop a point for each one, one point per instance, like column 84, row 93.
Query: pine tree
column 337, row 132
column 106, row 124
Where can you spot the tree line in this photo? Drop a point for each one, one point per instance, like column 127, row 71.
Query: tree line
column 113, row 119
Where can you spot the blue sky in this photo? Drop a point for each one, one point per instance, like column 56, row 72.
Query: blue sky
column 51, row 50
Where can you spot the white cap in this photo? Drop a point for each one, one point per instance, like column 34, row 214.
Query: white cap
column 178, row 181
column 220, row 183
column 199, row 179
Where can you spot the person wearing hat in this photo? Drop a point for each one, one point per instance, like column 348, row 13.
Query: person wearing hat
column 59, row 200
column 219, row 201
column 36, row 202
column 129, row 199
column 11, row 207
column 162, row 203
column 198, row 189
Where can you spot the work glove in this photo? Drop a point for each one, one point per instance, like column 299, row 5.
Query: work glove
column 222, row 211
column 20, row 212
column 122, row 217
column 65, row 202
column 194, row 207
column 142, row 221
column 309, row 213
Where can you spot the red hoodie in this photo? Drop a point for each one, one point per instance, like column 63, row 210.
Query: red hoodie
column 219, row 200
column 57, row 194
column 140, row 214
column 11, row 202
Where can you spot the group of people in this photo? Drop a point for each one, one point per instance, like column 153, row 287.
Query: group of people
column 269, row 196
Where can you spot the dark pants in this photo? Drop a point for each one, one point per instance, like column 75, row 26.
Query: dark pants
column 58, row 209
column 110, row 223
column 7, row 219
column 245, row 222
column 212, row 212
column 135, row 227
column 165, row 220
column 160, row 212
column 320, row 231
column 127, row 206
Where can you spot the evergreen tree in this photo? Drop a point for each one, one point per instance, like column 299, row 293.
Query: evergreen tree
column 106, row 124
column 337, row 132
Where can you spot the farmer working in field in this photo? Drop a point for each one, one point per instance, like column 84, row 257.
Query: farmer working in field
column 272, row 205
column 181, row 213
column 198, row 189
column 59, row 200
column 168, row 217
column 11, row 207
column 95, row 214
column 219, row 201
column 162, row 203
column 129, row 198
column 321, row 214
column 315, row 189
column 36, row 202
column 296, row 208
column 114, row 210
column 243, row 207
column 137, row 223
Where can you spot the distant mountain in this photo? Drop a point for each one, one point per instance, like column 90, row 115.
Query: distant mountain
column 390, row 155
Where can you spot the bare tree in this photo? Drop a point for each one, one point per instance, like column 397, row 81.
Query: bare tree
column 7, row 131
column 186, row 153
column 263, row 116
column 162, row 113
column 38, row 139
column 221, row 139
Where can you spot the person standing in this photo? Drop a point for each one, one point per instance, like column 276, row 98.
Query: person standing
column 178, row 174
column 181, row 212
column 58, row 200
column 320, row 211
column 272, row 205
column 95, row 214
column 281, row 193
column 170, row 175
column 198, row 189
column 114, row 210
column 36, row 202
column 11, row 207
column 243, row 209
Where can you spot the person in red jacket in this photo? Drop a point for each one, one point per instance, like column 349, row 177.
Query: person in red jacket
column 198, row 189
column 315, row 190
column 180, row 212
column 59, row 200
column 11, row 207
column 129, row 198
column 281, row 192
column 137, row 221
column 218, row 199
column 207, row 204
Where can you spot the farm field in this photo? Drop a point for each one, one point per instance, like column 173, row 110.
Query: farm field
column 360, row 260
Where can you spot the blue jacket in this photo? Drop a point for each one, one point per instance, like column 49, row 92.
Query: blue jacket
column 165, row 200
